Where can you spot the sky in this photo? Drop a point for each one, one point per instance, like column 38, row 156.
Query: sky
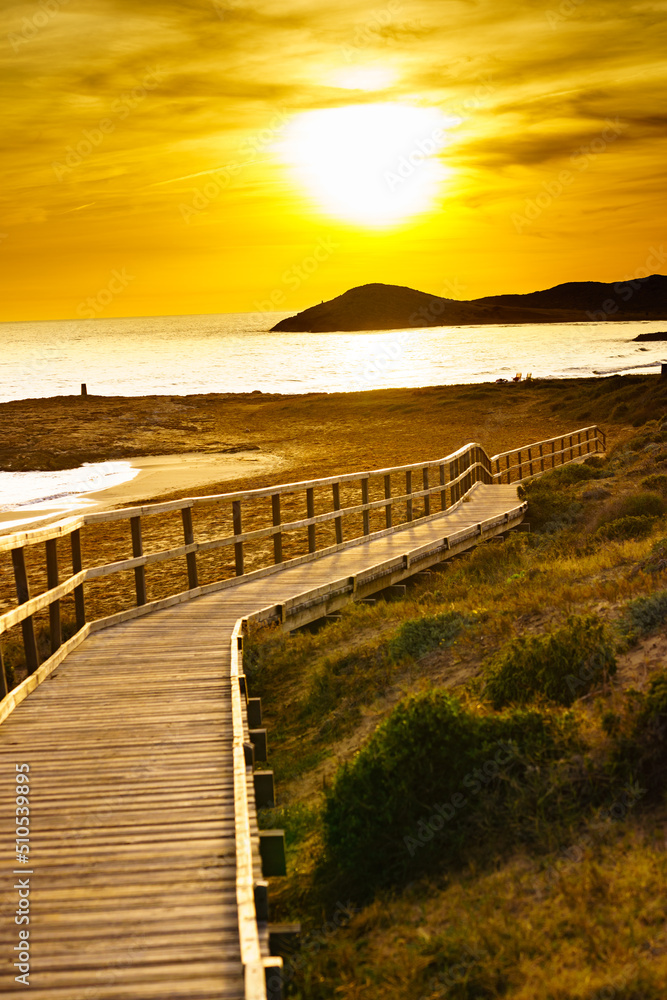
column 204, row 156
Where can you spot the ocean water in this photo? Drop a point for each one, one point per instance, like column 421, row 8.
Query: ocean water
column 177, row 355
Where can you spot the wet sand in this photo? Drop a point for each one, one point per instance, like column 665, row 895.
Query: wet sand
column 159, row 475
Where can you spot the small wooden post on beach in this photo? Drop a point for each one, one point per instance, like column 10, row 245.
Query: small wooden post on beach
column 84, row 389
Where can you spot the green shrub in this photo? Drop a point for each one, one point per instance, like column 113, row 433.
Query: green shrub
column 421, row 635
column 625, row 528
column 641, row 505
column 656, row 561
column 645, row 614
column 656, row 482
column 551, row 505
column 568, row 475
column 433, row 767
column 641, row 745
column 561, row 665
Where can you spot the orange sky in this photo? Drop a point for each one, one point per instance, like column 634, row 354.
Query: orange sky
column 188, row 156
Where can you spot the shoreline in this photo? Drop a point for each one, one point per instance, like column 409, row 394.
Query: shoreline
column 158, row 476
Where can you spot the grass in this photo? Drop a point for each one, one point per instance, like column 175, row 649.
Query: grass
column 543, row 884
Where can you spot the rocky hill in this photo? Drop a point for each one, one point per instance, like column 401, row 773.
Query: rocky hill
column 394, row 307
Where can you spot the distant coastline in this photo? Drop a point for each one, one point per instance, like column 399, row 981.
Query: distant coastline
column 395, row 307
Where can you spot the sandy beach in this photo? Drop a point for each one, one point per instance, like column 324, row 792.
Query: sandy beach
column 158, row 476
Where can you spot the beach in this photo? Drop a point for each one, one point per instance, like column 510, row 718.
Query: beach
column 153, row 477
column 202, row 444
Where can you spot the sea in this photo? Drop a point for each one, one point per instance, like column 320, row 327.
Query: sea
column 237, row 352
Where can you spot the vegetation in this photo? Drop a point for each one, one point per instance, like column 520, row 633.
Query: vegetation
column 430, row 774
column 561, row 665
column 382, row 725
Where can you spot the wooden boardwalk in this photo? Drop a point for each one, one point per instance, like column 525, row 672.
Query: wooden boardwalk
column 145, row 858
column 129, row 744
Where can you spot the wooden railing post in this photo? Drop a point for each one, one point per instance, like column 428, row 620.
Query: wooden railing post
column 541, row 457
column 520, row 464
column 23, row 595
column 387, row 496
column 191, row 557
column 364, row 500
column 562, row 451
column 278, row 537
column 408, row 490
column 237, row 529
column 508, row 470
column 137, row 551
column 310, row 512
column 579, row 443
column 77, row 566
column 338, row 521
column 427, row 498
column 443, row 492
column 4, row 686
column 530, row 460
column 55, row 628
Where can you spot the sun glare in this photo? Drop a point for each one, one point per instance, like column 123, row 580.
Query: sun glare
column 363, row 78
column 372, row 164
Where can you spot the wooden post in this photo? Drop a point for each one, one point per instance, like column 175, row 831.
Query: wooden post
column 588, row 442
column 138, row 550
column 509, row 471
column 237, row 528
column 571, row 448
column 55, row 628
column 541, row 457
column 553, row 454
column 4, row 686
column 387, row 496
column 310, row 512
column 278, row 537
column 408, row 489
column 530, row 460
column 191, row 557
column 562, row 451
column 364, row 500
column 427, row 498
column 338, row 521
column 77, row 566
column 579, row 443
column 520, row 463
column 23, row 595
column 453, row 472
column 84, row 389
column 443, row 492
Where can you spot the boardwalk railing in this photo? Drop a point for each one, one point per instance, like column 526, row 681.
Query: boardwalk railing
column 383, row 506
column 362, row 505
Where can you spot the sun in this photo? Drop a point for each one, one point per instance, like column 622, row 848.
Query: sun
column 371, row 164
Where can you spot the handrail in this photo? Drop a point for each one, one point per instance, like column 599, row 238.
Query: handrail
column 458, row 472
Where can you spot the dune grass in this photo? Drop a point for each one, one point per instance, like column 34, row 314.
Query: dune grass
column 544, row 882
